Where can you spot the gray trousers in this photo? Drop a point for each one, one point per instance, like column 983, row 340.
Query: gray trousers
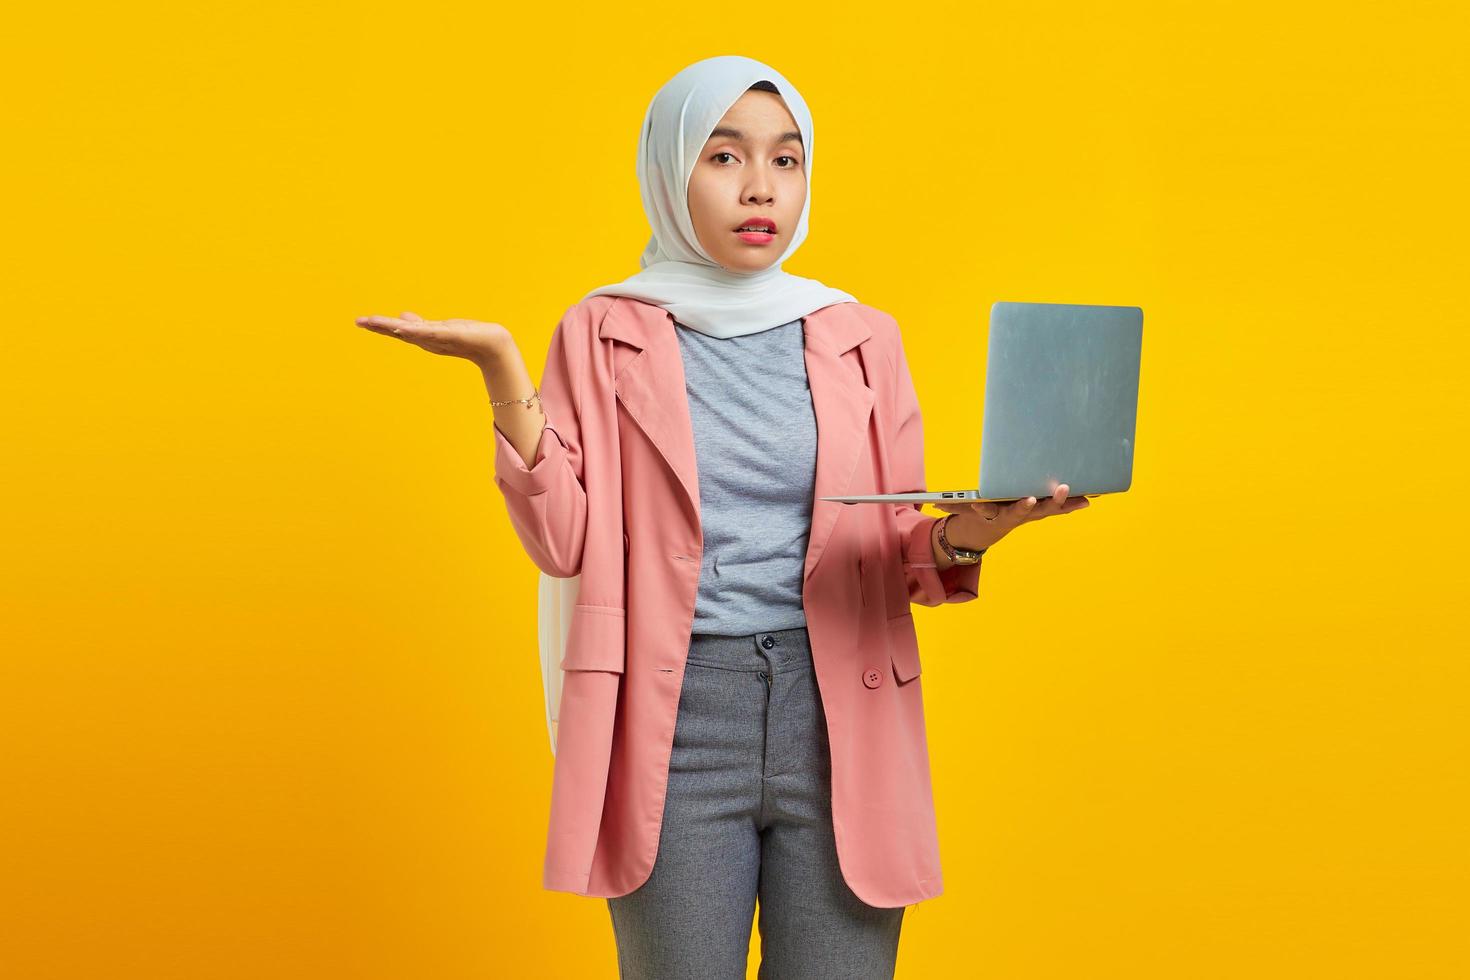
column 749, row 814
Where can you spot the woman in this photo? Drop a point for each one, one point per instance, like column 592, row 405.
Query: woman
column 741, row 716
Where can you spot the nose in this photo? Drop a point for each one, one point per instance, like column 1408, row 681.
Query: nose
column 760, row 190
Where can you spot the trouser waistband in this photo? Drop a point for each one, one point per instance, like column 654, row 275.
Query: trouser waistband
column 768, row 650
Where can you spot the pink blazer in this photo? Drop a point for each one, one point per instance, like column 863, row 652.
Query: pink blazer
column 614, row 496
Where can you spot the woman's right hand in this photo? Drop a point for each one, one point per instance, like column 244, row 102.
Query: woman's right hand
column 482, row 343
column 491, row 348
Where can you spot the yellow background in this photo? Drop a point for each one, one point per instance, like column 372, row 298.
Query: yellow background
column 270, row 697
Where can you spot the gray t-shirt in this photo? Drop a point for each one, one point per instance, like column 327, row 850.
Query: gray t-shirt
column 755, row 441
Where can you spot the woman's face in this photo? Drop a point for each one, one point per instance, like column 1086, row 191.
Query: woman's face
column 752, row 167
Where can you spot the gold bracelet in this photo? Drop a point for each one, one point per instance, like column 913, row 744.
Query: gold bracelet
column 533, row 396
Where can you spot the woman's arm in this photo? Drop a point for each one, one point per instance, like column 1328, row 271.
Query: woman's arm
column 538, row 446
column 538, row 453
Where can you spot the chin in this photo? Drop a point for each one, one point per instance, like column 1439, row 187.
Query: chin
column 749, row 263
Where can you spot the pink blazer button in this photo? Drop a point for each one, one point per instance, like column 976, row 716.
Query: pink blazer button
column 872, row 677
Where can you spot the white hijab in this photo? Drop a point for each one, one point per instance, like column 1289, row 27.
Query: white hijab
column 678, row 274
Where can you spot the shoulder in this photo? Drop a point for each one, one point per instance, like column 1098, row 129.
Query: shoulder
column 583, row 325
column 881, row 320
column 620, row 317
column 878, row 320
column 884, row 332
column 584, row 317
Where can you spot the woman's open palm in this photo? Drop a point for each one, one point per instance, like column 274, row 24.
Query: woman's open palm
column 471, row 339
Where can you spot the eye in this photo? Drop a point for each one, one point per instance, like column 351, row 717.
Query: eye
column 794, row 161
column 722, row 153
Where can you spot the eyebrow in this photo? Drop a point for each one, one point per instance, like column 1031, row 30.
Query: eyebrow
column 735, row 134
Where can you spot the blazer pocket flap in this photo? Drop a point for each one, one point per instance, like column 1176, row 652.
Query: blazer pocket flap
column 903, row 647
column 596, row 639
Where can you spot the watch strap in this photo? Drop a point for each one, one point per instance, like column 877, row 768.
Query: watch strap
column 961, row 556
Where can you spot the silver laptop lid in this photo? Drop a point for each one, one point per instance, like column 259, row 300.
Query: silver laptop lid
column 1061, row 399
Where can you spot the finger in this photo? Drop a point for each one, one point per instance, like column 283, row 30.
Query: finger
column 1053, row 504
column 376, row 324
column 410, row 315
column 389, row 325
column 1020, row 512
column 988, row 510
column 1074, row 503
column 1045, row 507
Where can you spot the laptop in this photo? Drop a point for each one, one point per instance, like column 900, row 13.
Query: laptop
column 1061, row 402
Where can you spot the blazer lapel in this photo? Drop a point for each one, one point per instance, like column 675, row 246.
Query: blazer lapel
column 651, row 389
column 843, row 405
column 651, row 386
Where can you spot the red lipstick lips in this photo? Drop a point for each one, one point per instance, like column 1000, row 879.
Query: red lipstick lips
column 765, row 234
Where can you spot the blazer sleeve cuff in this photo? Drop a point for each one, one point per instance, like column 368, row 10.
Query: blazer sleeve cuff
column 958, row 583
column 512, row 469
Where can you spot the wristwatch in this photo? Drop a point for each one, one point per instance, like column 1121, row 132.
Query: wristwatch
column 960, row 556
